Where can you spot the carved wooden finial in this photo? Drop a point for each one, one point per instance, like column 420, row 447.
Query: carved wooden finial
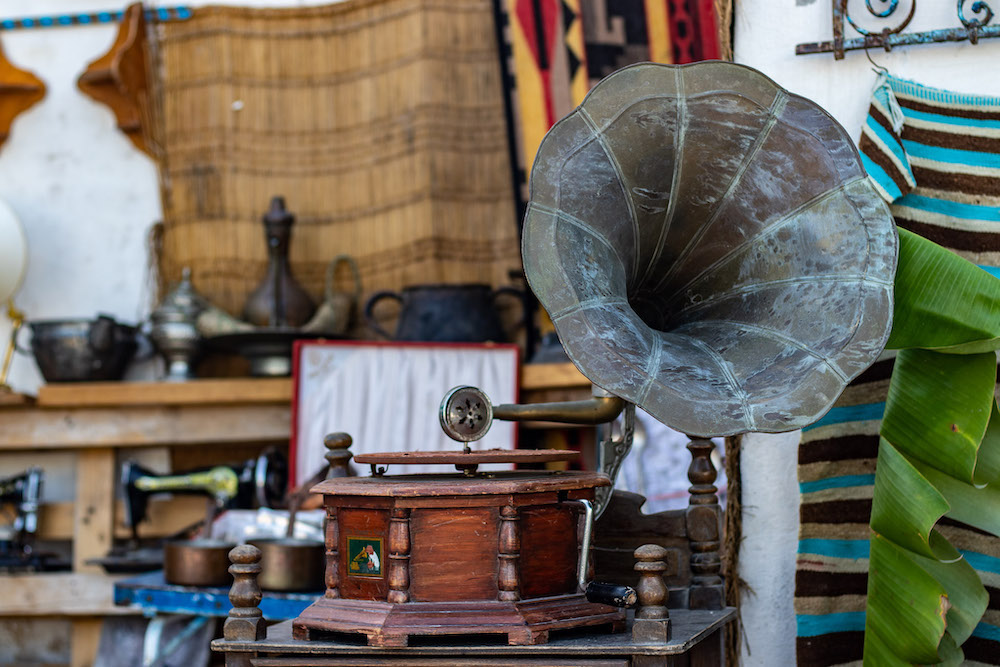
column 652, row 620
column 245, row 621
column 337, row 454
column 704, row 529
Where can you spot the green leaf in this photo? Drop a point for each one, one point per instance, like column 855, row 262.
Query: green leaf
column 938, row 408
column 920, row 609
column 906, row 605
column 977, row 506
column 942, row 301
column 988, row 463
column 905, row 506
column 951, row 654
column 967, row 596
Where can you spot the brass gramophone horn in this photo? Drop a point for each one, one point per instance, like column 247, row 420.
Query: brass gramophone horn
column 709, row 248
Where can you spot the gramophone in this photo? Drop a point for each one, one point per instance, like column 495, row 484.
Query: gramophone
column 709, row 249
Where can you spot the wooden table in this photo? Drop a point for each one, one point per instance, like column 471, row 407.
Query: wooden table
column 696, row 642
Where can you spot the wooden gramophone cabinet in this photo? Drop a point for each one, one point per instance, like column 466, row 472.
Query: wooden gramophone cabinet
column 453, row 554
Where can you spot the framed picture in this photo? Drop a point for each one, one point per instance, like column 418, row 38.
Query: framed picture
column 364, row 556
column 387, row 396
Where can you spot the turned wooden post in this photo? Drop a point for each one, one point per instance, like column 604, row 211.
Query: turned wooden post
column 652, row 620
column 399, row 555
column 332, row 578
column 245, row 621
column 337, row 454
column 508, row 579
column 704, row 529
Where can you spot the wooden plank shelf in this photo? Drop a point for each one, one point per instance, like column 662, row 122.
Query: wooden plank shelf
column 9, row 399
column 61, row 594
column 165, row 516
column 536, row 377
column 214, row 391
column 143, row 426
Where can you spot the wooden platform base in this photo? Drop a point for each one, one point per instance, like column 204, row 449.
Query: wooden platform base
column 385, row 624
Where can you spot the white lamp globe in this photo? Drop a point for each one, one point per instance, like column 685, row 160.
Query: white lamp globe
column 13, row 252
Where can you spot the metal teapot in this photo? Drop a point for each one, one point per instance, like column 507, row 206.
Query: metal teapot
column 174, row 331
column 455, row 313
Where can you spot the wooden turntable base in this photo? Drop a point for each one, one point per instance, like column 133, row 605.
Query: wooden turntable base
column 455, row 554
column 387, row 624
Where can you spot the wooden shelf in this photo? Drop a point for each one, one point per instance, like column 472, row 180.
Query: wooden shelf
column 61, row 594
column 536, row 377
column 164, row 517
column 13, row 399
column 221, row 391
column 143, row 426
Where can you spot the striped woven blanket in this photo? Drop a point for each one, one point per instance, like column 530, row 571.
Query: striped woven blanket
column 934, row 156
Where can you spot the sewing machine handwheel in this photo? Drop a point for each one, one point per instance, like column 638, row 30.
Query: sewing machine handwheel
column 270, row 478
column 466, row 413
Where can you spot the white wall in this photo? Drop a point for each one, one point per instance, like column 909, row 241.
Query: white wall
column 765, row 37
column 86, row 196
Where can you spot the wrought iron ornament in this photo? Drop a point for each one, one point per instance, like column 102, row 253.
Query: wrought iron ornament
column 975, row 26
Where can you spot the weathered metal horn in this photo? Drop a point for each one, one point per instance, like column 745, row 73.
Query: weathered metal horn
column 709, row 248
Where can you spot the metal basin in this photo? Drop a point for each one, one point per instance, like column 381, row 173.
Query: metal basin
column 200, row 562
column 290, row 564
column 82, row 350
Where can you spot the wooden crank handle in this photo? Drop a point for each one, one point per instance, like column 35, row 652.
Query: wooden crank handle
column 613, row 595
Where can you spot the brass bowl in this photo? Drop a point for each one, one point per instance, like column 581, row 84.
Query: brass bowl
column 199, row 562
column 291, row 564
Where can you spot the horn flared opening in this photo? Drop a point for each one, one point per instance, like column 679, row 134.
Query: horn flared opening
column 709, row 248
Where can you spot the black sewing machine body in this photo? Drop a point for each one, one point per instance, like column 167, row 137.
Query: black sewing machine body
column 17, row 541
column 257, row 482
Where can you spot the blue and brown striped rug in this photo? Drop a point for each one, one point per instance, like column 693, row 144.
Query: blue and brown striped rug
column 934, row 156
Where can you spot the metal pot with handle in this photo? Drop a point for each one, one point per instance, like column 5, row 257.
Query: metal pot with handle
column 447, row 313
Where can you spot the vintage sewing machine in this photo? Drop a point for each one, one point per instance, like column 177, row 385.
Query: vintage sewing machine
column 259, row 481
column 256, row 482
column 17, row 540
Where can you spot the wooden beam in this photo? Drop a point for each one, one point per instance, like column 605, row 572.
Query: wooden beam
column 93, row 514
column 215, row 391
column 86, row 636
column 143, row 426
column 164, row 517
column 14, row 399
column 61, row 594
column 551, row 376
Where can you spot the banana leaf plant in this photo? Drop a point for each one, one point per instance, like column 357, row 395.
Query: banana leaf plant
column 939, row 456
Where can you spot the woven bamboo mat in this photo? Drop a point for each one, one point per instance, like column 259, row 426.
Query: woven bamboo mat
column 380, row 121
